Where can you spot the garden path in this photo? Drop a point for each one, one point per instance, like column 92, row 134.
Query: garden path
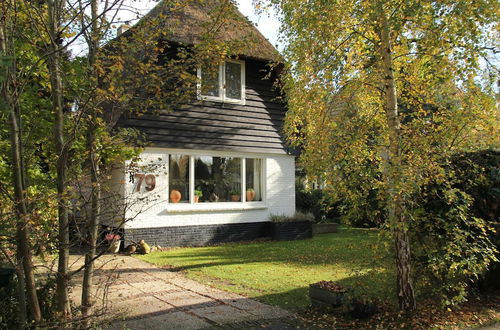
column 143, row 296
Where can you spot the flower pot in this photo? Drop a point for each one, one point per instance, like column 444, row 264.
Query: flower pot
column 196, row 199
column 114, row 246
column 175, row 196
column 235, row 198
column 250, row 196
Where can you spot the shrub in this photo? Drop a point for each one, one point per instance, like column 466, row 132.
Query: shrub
column 9, row 306
column 297, row 217
column 317, row 203
column 478, row 174
column 450, row 228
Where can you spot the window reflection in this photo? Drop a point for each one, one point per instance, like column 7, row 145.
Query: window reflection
column 210, row 81
column 218, row 179
column 253, row 178
column 233, row 80
column 178, row 179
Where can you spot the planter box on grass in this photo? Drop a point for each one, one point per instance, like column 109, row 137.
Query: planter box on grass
column 327, row 294
column 324, row 228
column 288, row 231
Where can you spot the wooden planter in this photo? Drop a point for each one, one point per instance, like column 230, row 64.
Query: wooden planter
column 288, row 231
column 324, row 228
column 326, row 298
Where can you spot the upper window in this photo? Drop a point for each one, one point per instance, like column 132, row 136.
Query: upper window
column 224, row 83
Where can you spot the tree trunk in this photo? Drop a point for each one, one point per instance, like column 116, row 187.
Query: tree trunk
column 54, row 59
column 395, row 206
column 22, row 237
column 93, row 219
column 21, row 295
column 92, row 223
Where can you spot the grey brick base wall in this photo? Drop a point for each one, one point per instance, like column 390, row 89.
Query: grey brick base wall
column 198, row 235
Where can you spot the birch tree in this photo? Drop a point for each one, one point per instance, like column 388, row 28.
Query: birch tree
column 393, row 84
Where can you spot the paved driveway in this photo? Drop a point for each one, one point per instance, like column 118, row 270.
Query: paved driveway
column 142, row 296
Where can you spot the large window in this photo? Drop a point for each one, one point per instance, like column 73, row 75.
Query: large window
column 212, row 179
column 225, row 82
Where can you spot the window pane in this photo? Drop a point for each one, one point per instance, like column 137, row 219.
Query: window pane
column 178, row 179
column 253, row 177
column 218, row 179
column 233, row 80
column 210, row 81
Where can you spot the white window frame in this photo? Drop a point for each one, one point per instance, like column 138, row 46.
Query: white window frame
column 222, row 85
column 214, row 206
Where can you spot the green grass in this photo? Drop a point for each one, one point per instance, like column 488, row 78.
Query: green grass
column 279, row 273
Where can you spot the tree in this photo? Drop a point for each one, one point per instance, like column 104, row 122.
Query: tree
column 10, row 106
column 391, row 85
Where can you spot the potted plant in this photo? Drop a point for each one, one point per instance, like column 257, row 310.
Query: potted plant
column 235, row 196
column 327, row 294
column 113, row 241
column 175, row 196
column 197, row 195
column 286, row 228
column 250, row 195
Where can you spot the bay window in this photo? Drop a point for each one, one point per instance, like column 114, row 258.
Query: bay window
column 212, row 179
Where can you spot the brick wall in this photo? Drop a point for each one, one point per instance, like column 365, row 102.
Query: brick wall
column 198, row 235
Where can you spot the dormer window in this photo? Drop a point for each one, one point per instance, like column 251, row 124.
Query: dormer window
column 225, row 83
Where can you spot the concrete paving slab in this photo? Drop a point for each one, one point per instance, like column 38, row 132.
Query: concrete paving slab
column 142, row 306
column 223, row 314
column 186, row 299
column 173, row 320
column 152, row 285
column 143, row 296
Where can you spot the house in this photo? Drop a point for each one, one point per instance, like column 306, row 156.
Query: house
column 218, row 167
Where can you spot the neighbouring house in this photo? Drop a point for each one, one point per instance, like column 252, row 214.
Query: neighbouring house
column 218, row 167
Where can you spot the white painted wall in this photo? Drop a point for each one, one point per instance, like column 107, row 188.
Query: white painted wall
column 151, row 209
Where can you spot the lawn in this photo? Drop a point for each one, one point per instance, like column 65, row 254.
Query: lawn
column 279, row 273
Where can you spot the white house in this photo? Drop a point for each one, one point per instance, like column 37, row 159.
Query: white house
column 217, row 168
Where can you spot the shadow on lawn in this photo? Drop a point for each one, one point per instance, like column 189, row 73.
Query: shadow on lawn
column 353, row 248
column 379, row 286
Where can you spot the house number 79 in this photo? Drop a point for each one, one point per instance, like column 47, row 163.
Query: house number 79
column 148, row 179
